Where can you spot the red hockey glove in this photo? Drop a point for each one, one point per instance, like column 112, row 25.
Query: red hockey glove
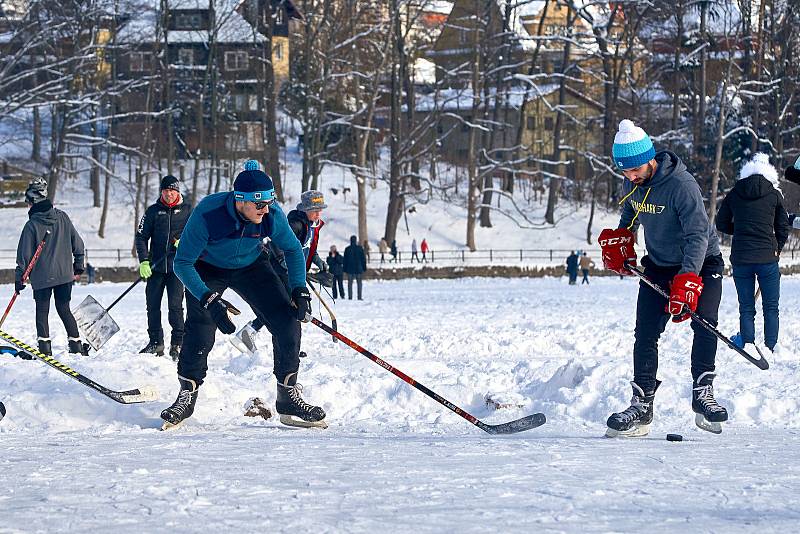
column 618, row 249
column 685, row 291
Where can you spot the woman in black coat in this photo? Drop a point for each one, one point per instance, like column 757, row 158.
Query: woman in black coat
column 336, row 267
column 753, row 213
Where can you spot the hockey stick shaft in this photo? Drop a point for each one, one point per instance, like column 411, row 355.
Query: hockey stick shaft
column 519, row 425
column 132, row 396
column 130, row 287
column 25, row 275
column 328, row 309
column 761, row 363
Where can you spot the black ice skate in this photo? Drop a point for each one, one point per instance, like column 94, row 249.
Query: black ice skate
column 709, row 413
column 294, row 411
column 76, row 347
column 44, row 346
column 634, row 421
column 183, row 407
column 153, row 347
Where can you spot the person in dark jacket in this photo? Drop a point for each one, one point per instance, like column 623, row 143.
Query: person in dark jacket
column 156, row 241
column 221, row 248
column 753, row 213
column 355, row 263
column 683, row 258
column 792, row 174
column 393, row 251
column 336, row 267
column 60, row 263
column 572, row 267
column 305, row 222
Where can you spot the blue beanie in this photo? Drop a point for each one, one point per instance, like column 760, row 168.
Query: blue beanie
column 254, row 186
column 632, row 146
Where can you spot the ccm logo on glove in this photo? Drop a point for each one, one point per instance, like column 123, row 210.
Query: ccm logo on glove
column 685, row 290
column 618, row 250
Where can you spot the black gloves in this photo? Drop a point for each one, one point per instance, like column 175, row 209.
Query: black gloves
column 77, row 269
column 322, row 277
column 219, row 309
column 18, row 286
column 301, row 298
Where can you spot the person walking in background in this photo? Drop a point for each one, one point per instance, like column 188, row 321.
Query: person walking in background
column 366, row 248
column 423, row 247
column 90, row 273
column 414, row 251
column 383, row 248
column 585, row 263
column 572, row 268
column 60, row 264
column 393, row 251
column 355, row 263
column 156, row 241
column 753, row 213
column 336, row 267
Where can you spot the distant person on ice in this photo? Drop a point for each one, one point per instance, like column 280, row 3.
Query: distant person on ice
column 336, row 267
column 585, row 263
column 572, row 268
column 156, row 239
column 221, row 248
column 753, row 213
column 423, row 247
column 683, row 257
column 60, row 264
column 355, row 264
column 305, row 222
column 383, row 248
column 414, row 251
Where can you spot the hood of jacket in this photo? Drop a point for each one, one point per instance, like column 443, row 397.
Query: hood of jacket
column 669, row 164
column 753, row 187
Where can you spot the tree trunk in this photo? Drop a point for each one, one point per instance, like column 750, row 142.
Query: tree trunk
column 271, row 155
column 36, row 149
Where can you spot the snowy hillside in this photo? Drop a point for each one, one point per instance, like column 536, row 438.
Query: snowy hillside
column 75, row 461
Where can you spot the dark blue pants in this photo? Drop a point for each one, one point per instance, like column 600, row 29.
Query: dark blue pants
column 769, row 280
column 652, row 318
column 263, row 290
column 154, row 292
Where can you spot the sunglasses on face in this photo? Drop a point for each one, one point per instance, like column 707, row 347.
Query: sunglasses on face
column 264, row 204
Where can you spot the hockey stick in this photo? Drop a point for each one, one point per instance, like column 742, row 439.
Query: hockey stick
column 132, row 396
column 25, row 275
column 761, row 363
column 512, row 427
column 327, row 308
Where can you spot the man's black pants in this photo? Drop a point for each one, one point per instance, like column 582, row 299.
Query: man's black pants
column 62, row 295
column 263, row 290
column 652, row 318
column 154, row 293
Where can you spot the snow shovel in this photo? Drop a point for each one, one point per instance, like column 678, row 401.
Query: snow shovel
column 94, row 322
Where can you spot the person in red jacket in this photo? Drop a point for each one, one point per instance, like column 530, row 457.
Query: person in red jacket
column 423, row 247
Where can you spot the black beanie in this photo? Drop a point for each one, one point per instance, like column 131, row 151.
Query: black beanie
column 170, row 182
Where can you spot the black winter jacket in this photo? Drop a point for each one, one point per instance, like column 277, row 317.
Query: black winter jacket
column 161, row 226
column 355, row 261
column 336, row 264
column 753, row 213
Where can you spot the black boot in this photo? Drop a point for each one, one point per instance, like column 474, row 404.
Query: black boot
column 174, row 352
column 635, row 420
column 153, row 347
column 45, row 346
column 294, row 411
column 183, row 407
column 709, row 413
column 76, row 347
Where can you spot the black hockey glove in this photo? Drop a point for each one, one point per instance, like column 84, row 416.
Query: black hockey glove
column 322, row 277
column 301, row 298
column 219, row 309
column 18, row 286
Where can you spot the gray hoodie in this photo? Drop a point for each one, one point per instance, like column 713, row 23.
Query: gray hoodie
column 62, row 253
column 676, row 227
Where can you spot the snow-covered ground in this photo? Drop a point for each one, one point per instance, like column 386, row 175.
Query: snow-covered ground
column 393, row 459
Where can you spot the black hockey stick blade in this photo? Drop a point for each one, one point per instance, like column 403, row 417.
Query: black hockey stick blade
column 512, row 427
column 761, row 362
column 131, row 396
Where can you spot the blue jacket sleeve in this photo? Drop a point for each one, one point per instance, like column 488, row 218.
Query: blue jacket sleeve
column 193, row 242
column 284, row 239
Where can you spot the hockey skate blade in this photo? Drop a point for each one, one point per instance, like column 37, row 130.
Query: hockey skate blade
column 704, row 424
column 288, row 420
column 170, row 426
column 635, row 432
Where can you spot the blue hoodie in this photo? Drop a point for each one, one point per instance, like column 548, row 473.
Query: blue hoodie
column 217, row 235
column 670, row 207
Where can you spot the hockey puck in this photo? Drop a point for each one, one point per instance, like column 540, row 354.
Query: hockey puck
column 674, row 437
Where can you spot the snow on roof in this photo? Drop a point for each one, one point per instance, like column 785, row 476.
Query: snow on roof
column 424, row 71
column 438, row 6
column 461, row 99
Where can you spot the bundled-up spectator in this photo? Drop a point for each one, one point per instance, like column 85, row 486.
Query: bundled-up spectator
column 753, row 213
column 414, row 251
column 355, row 263
column 586, row 264
column 393, row 251
column 383, row 247
column 572, row 268
column 336, row 267
column 423, row 247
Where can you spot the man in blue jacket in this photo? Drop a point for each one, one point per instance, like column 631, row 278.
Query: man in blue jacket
column 683, row 257
column 221, row 248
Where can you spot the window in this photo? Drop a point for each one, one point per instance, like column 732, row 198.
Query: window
column 548, row 123
column 185, row 56
column 531, row 122
column 280, row 16
column 277, row 51
column 243, row 102
column 236, row 60
column 188, row 21
column 140, row 61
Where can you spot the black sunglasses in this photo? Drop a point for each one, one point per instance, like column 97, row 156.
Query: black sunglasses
column 264, row 204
